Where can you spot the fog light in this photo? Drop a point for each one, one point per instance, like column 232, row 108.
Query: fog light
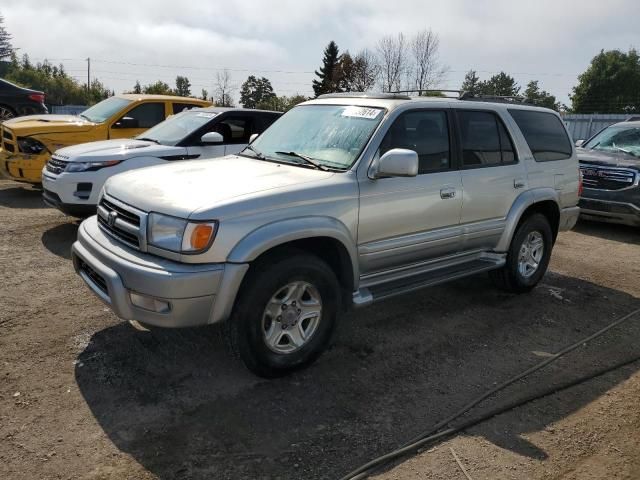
column 149, row 303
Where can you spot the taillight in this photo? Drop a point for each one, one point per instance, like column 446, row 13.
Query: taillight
column 580, row 186
column 37, row 97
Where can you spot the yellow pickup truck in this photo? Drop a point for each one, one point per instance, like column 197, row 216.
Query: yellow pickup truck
column 26, row 143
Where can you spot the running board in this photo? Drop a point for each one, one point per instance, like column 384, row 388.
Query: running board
column 381, row 291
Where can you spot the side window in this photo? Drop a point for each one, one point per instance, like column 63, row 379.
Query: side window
column 181, row 107
column 544, row 133
column 147, row 114
column 234, row 129
column 424, row 131
column 480, row 139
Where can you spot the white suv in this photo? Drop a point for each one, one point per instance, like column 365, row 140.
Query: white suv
column 74, row 176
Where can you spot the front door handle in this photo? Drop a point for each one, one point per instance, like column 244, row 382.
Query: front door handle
column 447, row 193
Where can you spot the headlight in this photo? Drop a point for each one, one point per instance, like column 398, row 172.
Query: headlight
column 30, row 145
column 179, row 235
column 89, row 166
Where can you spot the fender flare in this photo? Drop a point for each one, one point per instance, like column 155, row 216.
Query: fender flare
column 520, row 205
column 277, row 233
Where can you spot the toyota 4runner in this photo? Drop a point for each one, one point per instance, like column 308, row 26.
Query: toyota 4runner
column 344, row 201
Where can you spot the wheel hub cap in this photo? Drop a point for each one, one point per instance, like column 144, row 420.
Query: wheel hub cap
column 291, row 317
column 531, row 253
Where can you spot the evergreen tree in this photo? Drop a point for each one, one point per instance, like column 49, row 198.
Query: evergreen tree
column 6, row 49
column 256, row 91
column 533, row 94
column 500, row 85
column 329, row 75
column 471, row 83
column 137, row 88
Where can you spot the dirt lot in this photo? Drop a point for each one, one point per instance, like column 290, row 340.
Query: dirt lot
column 83, row 395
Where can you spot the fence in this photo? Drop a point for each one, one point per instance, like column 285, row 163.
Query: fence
column 67, row 109
column 582, row 126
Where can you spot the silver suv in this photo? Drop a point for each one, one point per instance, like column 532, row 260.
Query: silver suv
column 344, row 201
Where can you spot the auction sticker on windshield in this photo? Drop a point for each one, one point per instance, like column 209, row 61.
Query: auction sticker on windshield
column 361, row 112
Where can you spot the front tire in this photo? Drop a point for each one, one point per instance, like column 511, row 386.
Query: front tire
column 6, row 113
column 528, row 256
column 285, row 314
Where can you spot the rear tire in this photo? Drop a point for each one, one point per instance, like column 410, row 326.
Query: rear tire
column 6, row 113
column 528, row 256
column 285, row 314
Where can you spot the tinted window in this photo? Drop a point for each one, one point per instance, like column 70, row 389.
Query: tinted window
column 424, row 131
column 544, row 133
column 147, row 114
column 181, row 107
column 233, row 129
column 480, row 139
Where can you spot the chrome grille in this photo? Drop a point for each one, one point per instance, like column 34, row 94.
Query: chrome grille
column 56, row 165
column 121, row 222
column 608, row 178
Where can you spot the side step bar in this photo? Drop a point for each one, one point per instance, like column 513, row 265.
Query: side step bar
column 410, row 283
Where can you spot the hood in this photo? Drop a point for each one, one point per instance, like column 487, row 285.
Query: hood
column 180, row 189
column 118, row 149
column 608, row 159
column 36, row 124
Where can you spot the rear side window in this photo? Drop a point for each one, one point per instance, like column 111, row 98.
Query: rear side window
column 544, row 133
column 147, row 114
column 485, row 141
column 181, row 107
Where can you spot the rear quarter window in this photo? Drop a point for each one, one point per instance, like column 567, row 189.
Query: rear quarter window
column 544, row 133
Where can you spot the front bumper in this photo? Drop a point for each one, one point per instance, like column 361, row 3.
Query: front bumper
column 568, row 218
column 196, row 294
column 62, row 192
column 22, row 167
column 610, row 211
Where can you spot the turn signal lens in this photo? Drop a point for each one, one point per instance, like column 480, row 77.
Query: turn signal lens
column 198, row 236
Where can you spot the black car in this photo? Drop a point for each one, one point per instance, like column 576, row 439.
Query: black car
column 610, row 167
column 16, row 101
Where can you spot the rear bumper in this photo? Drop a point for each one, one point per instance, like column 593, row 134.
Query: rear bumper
column 610, row 211
column 195, row 294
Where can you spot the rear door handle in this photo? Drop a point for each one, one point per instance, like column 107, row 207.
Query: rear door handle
column 447, row 193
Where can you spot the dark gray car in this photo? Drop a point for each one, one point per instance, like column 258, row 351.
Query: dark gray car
column 610, row 166
column 16, row 101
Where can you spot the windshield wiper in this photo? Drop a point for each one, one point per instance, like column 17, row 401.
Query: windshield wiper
column 258, row 153
column 307, row 159
column 149, row 139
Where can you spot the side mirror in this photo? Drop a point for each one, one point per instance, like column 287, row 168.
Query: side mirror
column 397, row 162
column 212, row 138
column 127, row 122
column 579, row 143
column 253, row 137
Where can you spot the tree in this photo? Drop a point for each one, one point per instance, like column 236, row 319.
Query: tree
column 611, row 84
column 282, row 104
column 328, row 77
column 392, row 56
column 471, row 83
column 204, row 95
column 365, row 71
column 97, row 92
column 223, row 89
column 183, row 86
column 137, row 88
column 6, row 48
column 255, row 92
column 427, row 70
column 533, row 94
column 500, row 85
column 158, row 88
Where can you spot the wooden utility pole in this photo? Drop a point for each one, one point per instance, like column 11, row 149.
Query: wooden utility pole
column 88, row 74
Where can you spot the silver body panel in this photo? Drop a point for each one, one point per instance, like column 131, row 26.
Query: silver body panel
column 390, row 227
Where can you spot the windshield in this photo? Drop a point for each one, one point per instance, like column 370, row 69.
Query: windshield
column 105, row 109
column 620, row 138
column 330, row 135
column 177, row 127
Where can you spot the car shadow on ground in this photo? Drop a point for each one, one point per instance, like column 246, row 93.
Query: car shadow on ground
column 21, row 197
column 609, row 231
column 58, row 240
column 183, row 408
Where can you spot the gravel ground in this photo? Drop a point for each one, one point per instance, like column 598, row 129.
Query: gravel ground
column 85, row 396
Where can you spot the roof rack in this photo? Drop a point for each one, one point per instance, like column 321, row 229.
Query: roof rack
column 426, row 90
column 383, row 96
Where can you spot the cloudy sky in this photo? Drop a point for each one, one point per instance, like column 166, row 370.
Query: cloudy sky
column 550, row 41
